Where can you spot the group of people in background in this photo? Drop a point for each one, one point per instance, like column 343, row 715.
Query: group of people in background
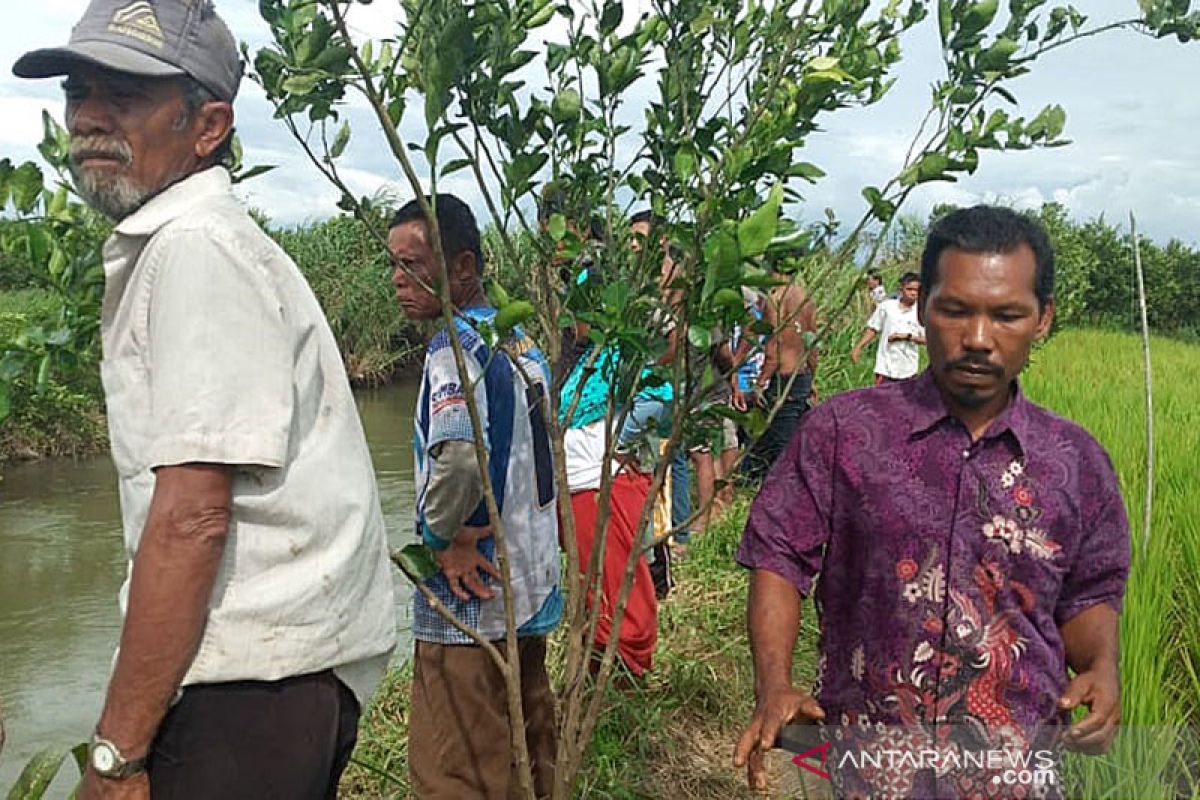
column 894, row 322
column 259, row 609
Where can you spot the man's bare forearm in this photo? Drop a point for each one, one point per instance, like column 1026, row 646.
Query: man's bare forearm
column 1091, row 639
column 773, row 620
column 171, row 586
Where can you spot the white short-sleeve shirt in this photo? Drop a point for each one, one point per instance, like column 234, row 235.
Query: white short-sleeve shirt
column 896, row 360
column 216, row 350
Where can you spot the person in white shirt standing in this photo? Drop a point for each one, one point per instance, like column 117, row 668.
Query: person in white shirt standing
column 259, row 612
column 876, row 288
column 900, row 333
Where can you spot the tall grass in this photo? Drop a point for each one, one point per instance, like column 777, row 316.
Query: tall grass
column 1095, row 378
column 351, row 276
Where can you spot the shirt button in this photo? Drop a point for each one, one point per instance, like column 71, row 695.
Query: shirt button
column 966, row 453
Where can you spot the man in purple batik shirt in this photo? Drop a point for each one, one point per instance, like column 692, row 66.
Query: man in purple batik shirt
column 968, row 549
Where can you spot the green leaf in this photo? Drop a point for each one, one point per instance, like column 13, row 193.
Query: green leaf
column 997, row 56
column 5, row 401
column 978, row 17
column 945, row 22
column 416, row 561
column 1005, row 93
column 57, row 263
column 823, row 63
column 756, row 231
column 80, row 753
column 59, row 337
column 542, row 15
column 6, row 173
column 805, row 170
column 685, row 164
column 882, row 208
column 340, row 141
column 512, row 315
column 253, row 172
column 43, row 373
column 610, row 18
column 454, row 165
column 754, row 421
column 58, row 203
column 721, row 259
column 729, row 298
column 37, row 775
column 497, row 294
column 39, row 246
column 1056, row 121
column 302, row 84
column 557, row 227
column 700, row 338
column 932, row 167
column 26, row 186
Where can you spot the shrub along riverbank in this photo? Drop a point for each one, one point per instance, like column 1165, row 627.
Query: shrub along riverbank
column 673, row 736
column 347, row 272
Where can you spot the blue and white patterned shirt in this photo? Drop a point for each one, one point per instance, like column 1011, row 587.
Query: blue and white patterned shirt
column 508, row 396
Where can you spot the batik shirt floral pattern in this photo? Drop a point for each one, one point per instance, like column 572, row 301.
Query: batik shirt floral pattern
column 942, row 568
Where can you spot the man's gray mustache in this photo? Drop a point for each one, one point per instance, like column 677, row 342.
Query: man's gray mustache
column 96, row 147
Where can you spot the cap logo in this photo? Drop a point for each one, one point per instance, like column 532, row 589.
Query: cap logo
column 138, row 21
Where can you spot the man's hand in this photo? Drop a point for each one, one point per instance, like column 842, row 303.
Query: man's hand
column 738, row 399
column 900, row 337
column 856, row 355
column 774, row 709
column 461, row 562
column 94, row 787
column 1099, row 690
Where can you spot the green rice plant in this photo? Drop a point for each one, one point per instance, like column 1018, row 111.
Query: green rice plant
column 1094, row 377
column 41, row 770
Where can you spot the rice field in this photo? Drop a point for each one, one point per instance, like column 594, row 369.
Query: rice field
column 1095, row 378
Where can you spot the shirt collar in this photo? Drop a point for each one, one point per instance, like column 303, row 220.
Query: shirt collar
column 929, row 409
column 175, row 201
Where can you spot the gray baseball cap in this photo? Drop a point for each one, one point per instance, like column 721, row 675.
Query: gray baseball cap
column 156, row 38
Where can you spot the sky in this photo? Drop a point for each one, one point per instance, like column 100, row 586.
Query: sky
column 1132, row 118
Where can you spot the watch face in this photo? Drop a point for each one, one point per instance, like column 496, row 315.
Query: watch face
column 103, row 759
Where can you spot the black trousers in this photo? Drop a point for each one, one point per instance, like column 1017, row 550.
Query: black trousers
column 768, row 447
column 289, row 739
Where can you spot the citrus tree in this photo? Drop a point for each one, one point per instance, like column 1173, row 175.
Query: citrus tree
column 537, row 99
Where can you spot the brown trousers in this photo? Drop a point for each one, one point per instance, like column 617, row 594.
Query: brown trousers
column 255, row 740
column 459, row 740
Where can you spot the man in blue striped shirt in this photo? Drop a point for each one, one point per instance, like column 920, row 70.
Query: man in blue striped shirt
column 459, row 735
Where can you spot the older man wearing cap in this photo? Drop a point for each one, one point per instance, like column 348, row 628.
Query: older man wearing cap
column 259, row 610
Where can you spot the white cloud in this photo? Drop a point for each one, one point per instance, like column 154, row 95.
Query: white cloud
column 22, row 116
column 1134, row 147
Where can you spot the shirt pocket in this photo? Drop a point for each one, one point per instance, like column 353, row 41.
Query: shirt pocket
column 127, row 405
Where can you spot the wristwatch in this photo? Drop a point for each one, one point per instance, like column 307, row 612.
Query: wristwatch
column 105, row 758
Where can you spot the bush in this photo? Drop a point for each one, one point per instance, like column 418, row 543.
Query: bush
column 351, row 277
column 24, row 307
